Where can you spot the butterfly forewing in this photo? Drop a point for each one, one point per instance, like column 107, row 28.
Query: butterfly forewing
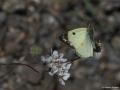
column 80, row 40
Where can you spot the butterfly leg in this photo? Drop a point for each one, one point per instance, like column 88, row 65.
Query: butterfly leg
column 98, row 46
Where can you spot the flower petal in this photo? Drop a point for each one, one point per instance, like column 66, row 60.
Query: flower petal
column 51, row 74
column 55, row 54
column 43, row 59
column 68, row 66
column 66, row 76
column 63, row 60
column 49, row 59
column 61, row 81
column 61, row 55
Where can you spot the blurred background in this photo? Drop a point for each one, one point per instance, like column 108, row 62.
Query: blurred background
column 30, row 28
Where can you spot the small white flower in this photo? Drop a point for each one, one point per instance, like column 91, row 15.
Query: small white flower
column 58, row 65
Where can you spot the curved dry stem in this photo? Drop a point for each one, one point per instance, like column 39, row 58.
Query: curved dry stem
column 22, row 64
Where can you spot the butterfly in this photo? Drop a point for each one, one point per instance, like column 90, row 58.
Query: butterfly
column 82, row 40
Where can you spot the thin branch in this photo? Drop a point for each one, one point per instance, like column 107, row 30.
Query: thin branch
column 21, row 64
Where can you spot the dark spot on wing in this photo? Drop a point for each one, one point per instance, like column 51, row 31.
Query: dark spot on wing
column 73, row 33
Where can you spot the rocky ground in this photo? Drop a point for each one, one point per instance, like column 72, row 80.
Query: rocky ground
column 30, row 28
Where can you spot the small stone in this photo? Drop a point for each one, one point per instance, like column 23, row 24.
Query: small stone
column 3, row 17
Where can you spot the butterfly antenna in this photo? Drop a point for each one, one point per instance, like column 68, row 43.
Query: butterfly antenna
column 21, row 64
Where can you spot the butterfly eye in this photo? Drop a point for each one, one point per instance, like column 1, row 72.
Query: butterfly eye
column 73, row 33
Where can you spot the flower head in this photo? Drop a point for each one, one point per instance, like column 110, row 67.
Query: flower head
column 58, row 65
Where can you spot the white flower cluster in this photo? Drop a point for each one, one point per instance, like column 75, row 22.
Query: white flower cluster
column 58, row 65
